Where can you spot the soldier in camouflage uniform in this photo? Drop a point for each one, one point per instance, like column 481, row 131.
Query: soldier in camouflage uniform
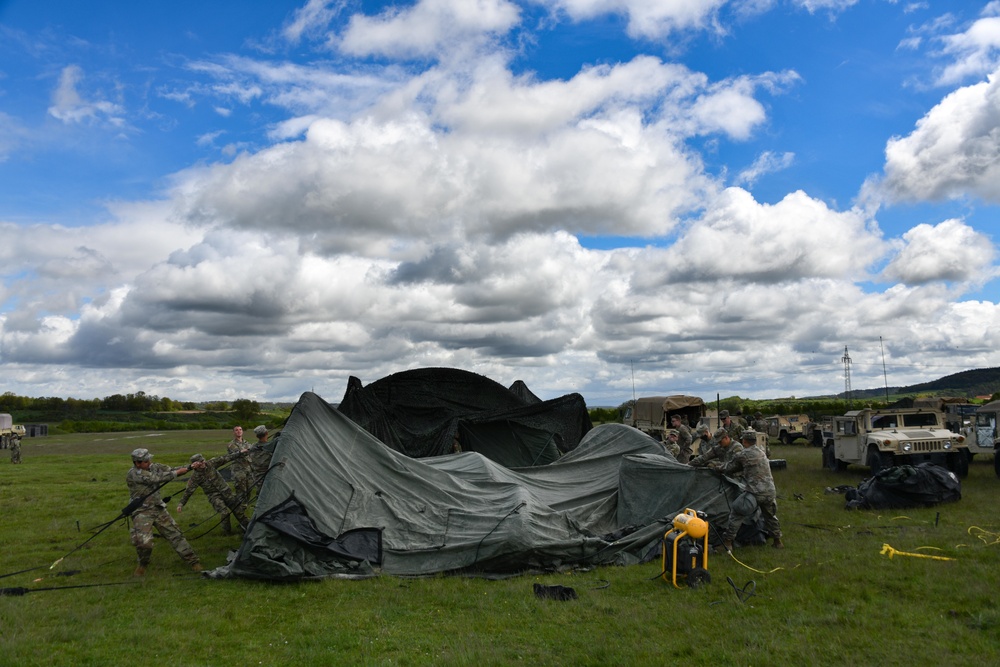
column 242, row 472
column 144, row 480
column 752, row 466
column 15, row 449
column 260, row 456
column 685, row 438
column 671, row 443
column 720, row 451
column 702, row 439
column 759, row 424
column 733, row 427
column 220, row 496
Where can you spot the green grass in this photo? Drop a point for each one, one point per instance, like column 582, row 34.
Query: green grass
column 830, row 598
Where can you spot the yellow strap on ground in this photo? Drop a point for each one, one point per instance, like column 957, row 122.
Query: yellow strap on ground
column 988, row 538
column 753, row 569
column 886, row 549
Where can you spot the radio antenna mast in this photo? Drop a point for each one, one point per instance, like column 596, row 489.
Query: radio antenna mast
column 885, row 378
column 847, row 376
column 631, row 363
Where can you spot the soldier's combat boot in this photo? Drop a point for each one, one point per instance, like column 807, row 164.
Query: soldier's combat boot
column 778, row 544
column 728, row 546
column 139, row 571
column 197, row 567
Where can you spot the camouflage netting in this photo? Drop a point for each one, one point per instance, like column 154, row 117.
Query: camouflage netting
column 427, row 412
column 336, row 502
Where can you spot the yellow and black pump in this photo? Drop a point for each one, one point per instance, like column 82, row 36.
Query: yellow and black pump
column 683, row 554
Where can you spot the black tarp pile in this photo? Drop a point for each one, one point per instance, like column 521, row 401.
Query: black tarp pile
column 336, row 502
column 923, row 485
column 435, row 411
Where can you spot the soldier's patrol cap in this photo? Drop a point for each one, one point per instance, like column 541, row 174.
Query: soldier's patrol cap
column 260, row 430
column 141, row 454
column 702, row 428
column 672, row 431
column 720, row 434
column 723, row 414
column 749, row 434
column 197, row 457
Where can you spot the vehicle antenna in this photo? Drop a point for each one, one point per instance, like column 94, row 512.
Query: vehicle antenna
column 631, row 363
column 847, row 376
column 885, row 378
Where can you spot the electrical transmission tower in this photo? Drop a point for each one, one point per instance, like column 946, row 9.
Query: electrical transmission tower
column 847, row 376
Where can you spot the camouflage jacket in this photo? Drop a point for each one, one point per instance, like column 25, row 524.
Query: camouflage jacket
column 753, row 466
column 260, row 459
column 735, row 430
column 241, row 467
column 142, row 482
column 717, row 452
column 685, row 437
column 209, row 478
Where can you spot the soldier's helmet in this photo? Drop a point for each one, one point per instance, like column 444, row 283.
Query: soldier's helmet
column 723, row 414
column 141, row 454
column 703, row 429
column 197, row 457
column 749, row 434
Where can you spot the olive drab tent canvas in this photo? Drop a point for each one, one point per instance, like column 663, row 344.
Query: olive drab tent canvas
column 434, row 411
column 337, row 502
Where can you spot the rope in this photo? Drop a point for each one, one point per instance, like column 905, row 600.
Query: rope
column 984, row 535
column 21, row 590
column 887, row 550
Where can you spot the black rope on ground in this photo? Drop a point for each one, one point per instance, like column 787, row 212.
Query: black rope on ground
column 21, row 590
column 743, row 594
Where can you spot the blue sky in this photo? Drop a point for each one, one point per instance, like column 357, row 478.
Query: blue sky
column 210, row 200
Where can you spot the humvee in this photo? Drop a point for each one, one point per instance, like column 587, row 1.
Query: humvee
column 894, row 436
column 787, row 428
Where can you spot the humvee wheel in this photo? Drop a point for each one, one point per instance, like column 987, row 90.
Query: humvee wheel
column 958, row 463
column 877, row 461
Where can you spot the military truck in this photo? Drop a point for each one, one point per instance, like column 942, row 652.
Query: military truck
column 650, row 413
column 894, row 436
column 787, row 428
column 6, row 429
column 981, row 433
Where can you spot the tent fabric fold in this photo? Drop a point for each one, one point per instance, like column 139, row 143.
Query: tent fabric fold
column 333, row 486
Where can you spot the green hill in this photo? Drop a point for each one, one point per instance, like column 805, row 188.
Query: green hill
column 971, row 383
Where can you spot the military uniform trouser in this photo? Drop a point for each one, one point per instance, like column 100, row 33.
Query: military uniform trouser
column 143, row 523
column 226, row 504
column 242, row 484
column 768, row 512
column 15, row 456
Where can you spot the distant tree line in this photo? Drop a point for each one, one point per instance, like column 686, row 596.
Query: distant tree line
column 120, row 412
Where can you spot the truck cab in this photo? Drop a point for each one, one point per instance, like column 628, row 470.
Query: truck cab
column 888, row 437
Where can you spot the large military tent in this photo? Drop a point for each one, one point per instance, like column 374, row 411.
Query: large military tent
column 336, row 502
column 434, row 411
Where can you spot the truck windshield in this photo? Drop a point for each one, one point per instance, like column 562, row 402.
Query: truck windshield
column 884, row 421
column 920, row 419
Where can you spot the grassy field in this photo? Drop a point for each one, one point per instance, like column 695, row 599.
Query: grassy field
column 830, row 598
